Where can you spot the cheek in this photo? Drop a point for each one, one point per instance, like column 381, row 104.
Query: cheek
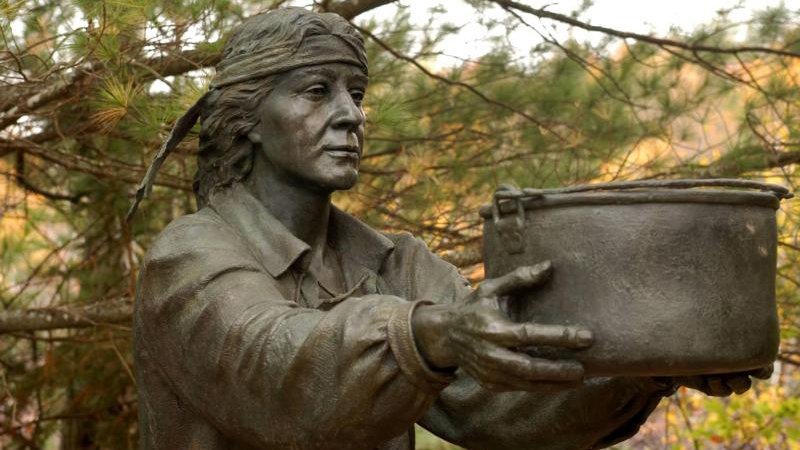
column 304, row 141
column 287, row 134
column 301, row 145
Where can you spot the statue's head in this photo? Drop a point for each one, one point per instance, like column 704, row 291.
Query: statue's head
column 289, row 84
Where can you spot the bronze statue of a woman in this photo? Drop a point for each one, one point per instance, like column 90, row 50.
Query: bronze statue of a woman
column 269, row 319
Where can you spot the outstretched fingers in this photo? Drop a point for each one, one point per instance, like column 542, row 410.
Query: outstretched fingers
column 501, row 369
column 510, row 334
column 739, row 384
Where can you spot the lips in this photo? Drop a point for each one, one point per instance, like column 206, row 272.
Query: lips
column 342, row 151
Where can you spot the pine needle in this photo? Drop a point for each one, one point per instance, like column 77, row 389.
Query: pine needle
column 114, row 102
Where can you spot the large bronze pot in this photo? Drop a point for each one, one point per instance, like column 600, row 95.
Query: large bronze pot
column 672, row 281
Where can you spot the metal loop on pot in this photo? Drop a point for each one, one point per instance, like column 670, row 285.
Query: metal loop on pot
column 511, row 192
column 512, row 236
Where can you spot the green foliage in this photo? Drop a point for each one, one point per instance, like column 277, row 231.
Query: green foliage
column 555, row 114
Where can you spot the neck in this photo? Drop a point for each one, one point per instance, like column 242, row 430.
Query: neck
column 303, row 211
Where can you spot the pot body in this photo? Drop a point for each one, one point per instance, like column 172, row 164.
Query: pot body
column 671, row 282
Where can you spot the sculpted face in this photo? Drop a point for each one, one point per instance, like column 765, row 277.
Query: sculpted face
column 311, row 130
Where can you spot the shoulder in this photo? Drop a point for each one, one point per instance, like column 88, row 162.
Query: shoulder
column 408, row 247
column 404, row 240
column 190, row 252
column 192, row 233
column 421, row 270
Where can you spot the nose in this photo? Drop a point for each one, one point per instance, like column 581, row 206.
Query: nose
column 346, row 113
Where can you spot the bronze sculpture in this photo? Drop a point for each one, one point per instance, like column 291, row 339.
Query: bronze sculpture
column 673, row 277
column 270, row 319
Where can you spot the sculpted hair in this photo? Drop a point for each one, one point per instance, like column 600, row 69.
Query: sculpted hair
column 226, row 153
column 230, row 112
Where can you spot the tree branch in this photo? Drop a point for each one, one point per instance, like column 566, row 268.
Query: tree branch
column 44, row 96
column 509, row 4
column 349, row 9
column 466, row 86
column 181, row 62
column 41, row 319
column 23, row 182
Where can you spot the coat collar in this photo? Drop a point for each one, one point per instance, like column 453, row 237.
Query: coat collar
column 279, row 248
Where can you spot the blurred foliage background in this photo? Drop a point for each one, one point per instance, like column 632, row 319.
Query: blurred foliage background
column 90, row 88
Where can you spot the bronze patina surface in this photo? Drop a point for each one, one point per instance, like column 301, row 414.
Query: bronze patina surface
column 269, row 319
column 670, row 281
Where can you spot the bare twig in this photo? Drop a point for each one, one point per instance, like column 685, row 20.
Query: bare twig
column 461, row 84
column 508, row 4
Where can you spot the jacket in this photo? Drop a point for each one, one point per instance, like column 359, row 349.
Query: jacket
column 236, row 347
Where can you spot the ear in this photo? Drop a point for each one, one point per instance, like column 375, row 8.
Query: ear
column 254, row 136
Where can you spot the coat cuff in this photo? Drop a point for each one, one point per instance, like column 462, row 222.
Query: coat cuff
column 653, row 390
column 411, row 362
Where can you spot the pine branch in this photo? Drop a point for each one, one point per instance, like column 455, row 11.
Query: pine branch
column 18, row 101
column 69, row 84
column 542, row 13
column 46, row 94
column 731, row 168
column 769, row 160
column 40, row 319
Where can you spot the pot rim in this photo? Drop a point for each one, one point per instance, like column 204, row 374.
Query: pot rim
column 663, row 196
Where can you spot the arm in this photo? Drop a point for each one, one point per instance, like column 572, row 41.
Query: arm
column 599, row 413
column 264, row 370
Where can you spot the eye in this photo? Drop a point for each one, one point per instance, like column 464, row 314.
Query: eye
column 317, row 90
column 357, row 95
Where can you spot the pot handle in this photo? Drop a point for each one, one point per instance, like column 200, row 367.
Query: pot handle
column 511, row 236
column 779, row 191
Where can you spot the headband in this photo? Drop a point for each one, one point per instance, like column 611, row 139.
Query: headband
column 312, row 50
column 318, row 49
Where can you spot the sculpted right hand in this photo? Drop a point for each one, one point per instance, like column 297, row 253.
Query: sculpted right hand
column 478, row 337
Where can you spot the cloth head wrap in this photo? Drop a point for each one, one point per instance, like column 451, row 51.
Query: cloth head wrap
column 318, row 49
column 250, row 65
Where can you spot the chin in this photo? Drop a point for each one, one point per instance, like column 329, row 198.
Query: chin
column 343, row 182
column 344, row 185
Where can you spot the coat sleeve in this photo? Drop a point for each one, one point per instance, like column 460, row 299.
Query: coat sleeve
column 602, row 412
column 264, row 370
